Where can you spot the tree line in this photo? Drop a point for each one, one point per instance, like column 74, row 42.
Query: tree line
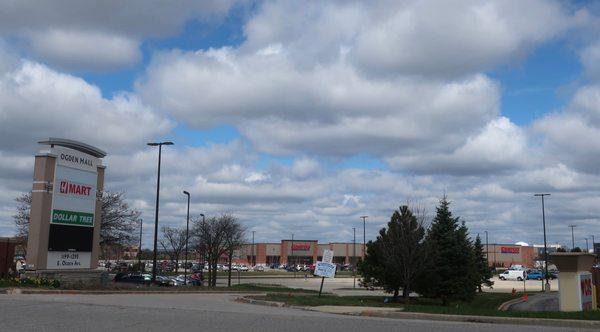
column 439, row 261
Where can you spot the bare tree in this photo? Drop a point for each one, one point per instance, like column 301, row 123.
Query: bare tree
column 216, row 236
column 235, row 235
column 21, row 218
column 173, row 242
column 119, row 222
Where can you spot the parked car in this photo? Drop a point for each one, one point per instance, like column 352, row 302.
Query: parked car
column 196, row 279
column 164, row 281
column 512, row 275
column 534, row 275
column 132, row 278
column 259, row 268
column 243, row 268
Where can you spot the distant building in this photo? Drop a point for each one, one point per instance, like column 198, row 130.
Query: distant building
column 505, row 255
column 297, row 252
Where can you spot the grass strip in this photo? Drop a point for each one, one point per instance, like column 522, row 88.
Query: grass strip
column 484, row 304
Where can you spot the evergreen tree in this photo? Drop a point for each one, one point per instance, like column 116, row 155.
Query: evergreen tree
column 451, row 272
column 395, row 259
column 484, row 272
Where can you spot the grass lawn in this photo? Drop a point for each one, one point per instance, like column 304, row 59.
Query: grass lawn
column 484, row 304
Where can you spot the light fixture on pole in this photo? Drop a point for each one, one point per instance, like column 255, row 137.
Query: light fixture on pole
column 187, row 236
column 159, row 144
column 547, row 286
column 364, row 218
column 572, row 236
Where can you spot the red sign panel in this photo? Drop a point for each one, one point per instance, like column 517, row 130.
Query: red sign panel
column 301, row 246
column 509, row 250
column 67, row 187
column 585, row 282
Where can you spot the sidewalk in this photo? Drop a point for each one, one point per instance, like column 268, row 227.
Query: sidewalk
column 397, row 313
column 537, row 302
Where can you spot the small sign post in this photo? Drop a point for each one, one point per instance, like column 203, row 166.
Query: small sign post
column 325, row 269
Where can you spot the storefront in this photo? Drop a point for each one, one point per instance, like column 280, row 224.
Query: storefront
column 297, row 252
column 505, row 255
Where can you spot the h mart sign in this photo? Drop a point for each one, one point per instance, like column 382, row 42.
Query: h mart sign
column 67, row 187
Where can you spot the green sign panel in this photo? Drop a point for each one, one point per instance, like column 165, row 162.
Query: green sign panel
column 72, row 218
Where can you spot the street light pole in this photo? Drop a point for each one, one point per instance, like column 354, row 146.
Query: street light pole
column 487, row 259
column 587, row 247
column 140, row 247
column 593, row 246
column 364, row 218
column 293, row 258
column 547, row 286
column 572, row 236
column 187, row 231
column 354, row 257
column 204, row 248
column 253, row 260
column 159, row 144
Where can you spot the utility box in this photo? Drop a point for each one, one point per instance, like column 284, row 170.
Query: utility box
column 575, row 280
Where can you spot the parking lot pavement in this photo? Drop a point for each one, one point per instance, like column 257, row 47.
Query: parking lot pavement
column 506, row 286
column 187, row 312
column 344, row 286
column 340, row 286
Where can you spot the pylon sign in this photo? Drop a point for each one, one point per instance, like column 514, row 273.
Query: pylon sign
column 74, row 195
column 65, row 206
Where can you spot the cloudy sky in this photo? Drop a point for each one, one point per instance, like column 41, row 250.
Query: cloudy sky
column 300, row 116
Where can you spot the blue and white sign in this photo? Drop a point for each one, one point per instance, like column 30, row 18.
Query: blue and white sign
column 326, row 270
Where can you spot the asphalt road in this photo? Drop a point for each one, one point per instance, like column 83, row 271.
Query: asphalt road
column 187, row 312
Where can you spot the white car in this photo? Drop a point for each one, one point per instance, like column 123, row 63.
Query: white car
column 243, row 267
column 519, row 275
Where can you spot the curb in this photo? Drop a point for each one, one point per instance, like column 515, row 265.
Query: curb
column 506, row 305
column 573, row 323
column 265, row 303
column 12, row 291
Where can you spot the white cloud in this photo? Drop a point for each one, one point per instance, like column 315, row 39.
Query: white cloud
column 103, row 35
column 409, row 37
column 328, row 110
column 305, row 167
column 37, row 102
column 77, row 50
column 500, row 146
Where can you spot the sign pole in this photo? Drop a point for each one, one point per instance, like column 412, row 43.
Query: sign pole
column 321, row 289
